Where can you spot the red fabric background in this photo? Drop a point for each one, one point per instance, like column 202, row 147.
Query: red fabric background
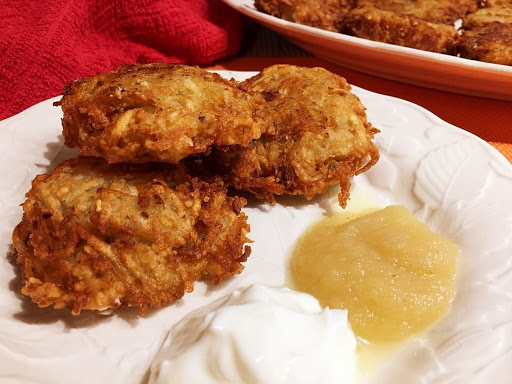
column 45, row 44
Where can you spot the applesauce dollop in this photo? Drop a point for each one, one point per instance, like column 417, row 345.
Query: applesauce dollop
column 391, row 272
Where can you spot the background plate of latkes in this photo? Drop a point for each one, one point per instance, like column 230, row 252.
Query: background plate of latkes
column 414, row 66
column 453, row 181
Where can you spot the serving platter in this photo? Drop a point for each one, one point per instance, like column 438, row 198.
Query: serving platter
column 453, row 181
column 429, row 69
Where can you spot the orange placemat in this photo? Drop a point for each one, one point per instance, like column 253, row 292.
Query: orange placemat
column 489, row 119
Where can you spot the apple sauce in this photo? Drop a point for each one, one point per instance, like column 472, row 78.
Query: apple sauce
column 391, row 272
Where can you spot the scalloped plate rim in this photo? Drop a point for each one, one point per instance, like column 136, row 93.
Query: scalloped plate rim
column 438, row 123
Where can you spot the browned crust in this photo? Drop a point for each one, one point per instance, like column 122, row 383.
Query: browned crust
column 399, row 29
column 95, row 236
column 487, row 34
column 324, row 14
column 155, row 112
column 422, row 24
column 438, row 12
column 315, row 135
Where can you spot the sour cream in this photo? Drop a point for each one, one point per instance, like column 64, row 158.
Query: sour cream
column 259, row 335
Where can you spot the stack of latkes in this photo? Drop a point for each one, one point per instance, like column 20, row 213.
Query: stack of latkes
column 144, row 211
column 473, row 29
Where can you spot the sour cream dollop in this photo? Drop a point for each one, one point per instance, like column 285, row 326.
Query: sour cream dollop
column 259, row 335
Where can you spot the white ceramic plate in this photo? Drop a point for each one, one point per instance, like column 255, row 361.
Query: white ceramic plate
column 453, row 181
column 409, row 65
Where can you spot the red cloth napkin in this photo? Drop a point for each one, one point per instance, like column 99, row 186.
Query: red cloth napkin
column 45, row 44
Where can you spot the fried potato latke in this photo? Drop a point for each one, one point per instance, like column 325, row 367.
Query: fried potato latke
column 326, row 14
column 315, row 135
column 487, row 33
column 97, row 236
column 155, row 112
column 421, row 24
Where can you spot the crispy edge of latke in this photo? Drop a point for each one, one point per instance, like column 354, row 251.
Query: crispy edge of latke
column 485, row 36
column 328, row 15
column 45, row 293
column 267, row 186
column 408, row 31
column 83, row 112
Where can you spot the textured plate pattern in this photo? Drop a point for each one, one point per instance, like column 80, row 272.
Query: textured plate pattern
column 462, row 188
column 452, row 180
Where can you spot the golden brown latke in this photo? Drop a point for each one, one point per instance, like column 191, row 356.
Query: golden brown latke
column 315, row 135
column 421, row 24
column 95, row 236
column 155, row 112
column 487, row 34
column 325, row 14
column 439, row 11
